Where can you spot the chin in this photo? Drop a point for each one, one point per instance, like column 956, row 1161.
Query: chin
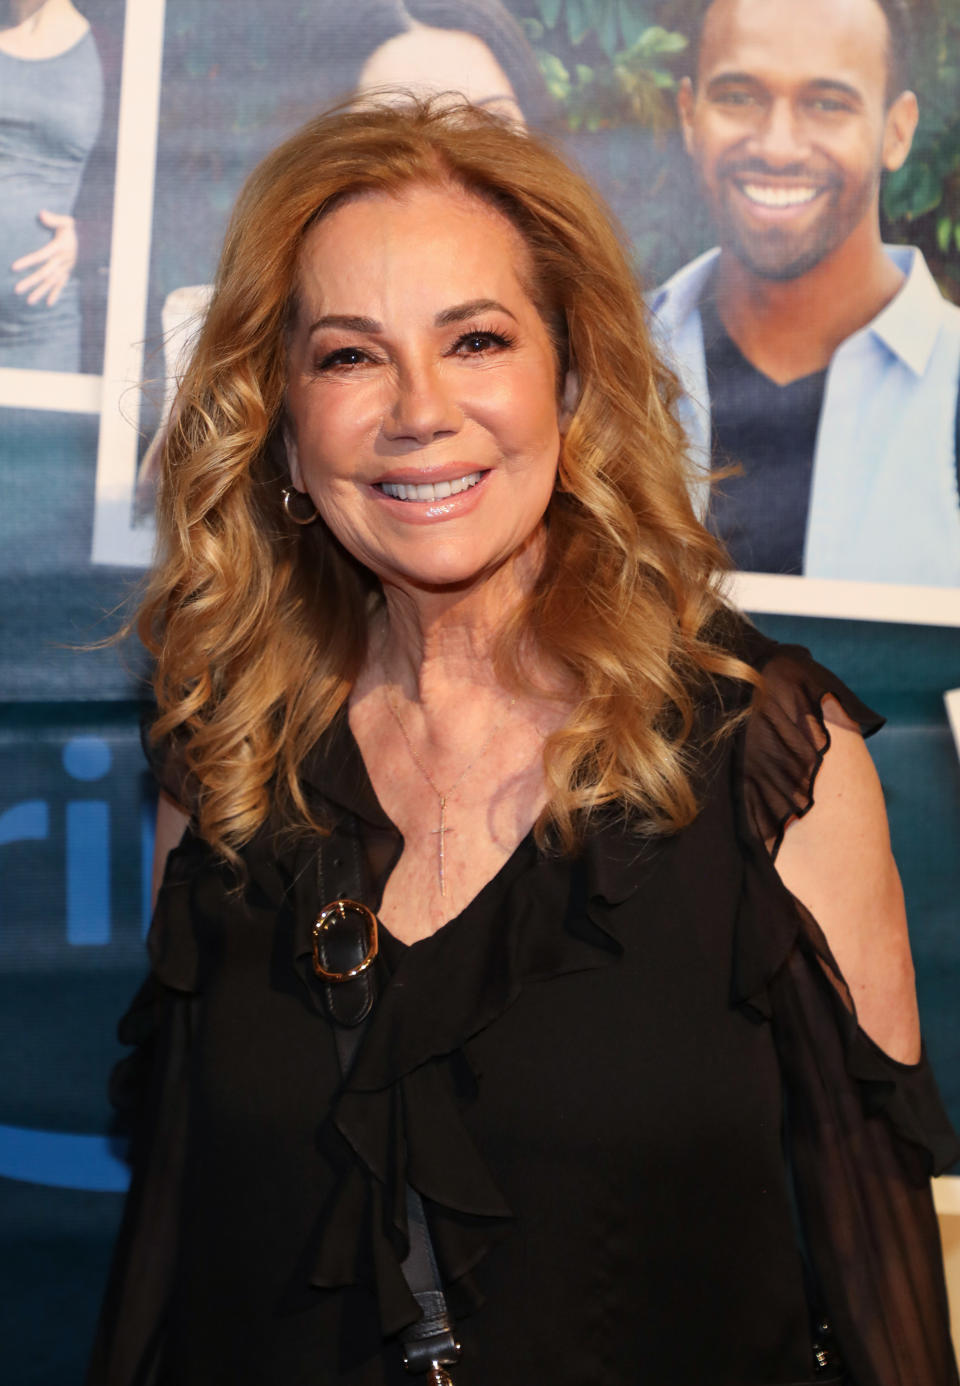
column 780, row 260
column 454, row 575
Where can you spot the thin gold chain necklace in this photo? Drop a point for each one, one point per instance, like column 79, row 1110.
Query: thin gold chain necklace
column 444, row 794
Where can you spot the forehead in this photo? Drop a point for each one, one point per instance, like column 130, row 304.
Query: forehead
column 425, row 59
column 443, row 241
column 796, row 40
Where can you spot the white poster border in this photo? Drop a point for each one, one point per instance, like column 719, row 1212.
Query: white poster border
column 776, row 594
column 61, row 392
column 117, row 539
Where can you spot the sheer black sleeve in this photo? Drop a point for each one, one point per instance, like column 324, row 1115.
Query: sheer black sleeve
column 149, row 1089
column 863, row 1132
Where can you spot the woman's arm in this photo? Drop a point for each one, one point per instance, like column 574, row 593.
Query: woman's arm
column 171, row 825
column 837, row 861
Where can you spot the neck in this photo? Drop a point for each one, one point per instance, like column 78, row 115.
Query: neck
column 791, row 328
column 436, row 645
column 21, row 11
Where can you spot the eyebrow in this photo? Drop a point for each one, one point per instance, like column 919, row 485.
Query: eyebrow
column 462, row 311
column 459, row 313
column 348, row 323
column 723, row 79
column 833, row 84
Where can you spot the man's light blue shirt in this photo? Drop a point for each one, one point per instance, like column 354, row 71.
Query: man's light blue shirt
column 884, row 505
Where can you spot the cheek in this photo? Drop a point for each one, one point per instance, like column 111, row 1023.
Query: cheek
column 711, row 137
column 524, row 411
column 326, row 434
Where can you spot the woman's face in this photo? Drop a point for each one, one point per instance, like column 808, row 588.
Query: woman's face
column 427, row 60
column 423, row 416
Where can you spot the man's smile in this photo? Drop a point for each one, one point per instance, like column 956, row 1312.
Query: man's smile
column 777, row 195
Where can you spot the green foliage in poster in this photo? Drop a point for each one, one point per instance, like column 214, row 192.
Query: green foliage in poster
column 921, row 201
column 630, row 80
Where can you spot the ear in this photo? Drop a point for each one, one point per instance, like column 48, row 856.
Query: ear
column 686, row 101
column 569, row 398
column 293, row 457
column 899, row 129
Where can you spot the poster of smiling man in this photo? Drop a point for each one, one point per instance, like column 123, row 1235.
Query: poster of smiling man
column 820, row 365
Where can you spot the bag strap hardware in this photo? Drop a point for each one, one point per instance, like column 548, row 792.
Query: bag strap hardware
column 326, row 922
column 345, row 945
column 438, row 1377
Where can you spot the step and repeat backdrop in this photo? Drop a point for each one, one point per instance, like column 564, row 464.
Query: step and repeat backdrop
column 741, row 177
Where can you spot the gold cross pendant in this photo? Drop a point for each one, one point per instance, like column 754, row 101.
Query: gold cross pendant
column 441, row 832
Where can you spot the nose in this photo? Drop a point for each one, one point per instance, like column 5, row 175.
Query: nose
column 424, row 406
column 780, row 138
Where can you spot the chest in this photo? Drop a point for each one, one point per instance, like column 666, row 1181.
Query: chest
column 455, row 835
column 582, row 1020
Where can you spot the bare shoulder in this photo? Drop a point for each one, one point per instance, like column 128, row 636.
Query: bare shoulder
column 837, row 860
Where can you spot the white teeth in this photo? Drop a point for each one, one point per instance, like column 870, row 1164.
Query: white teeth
column 767, row 196
column 429, row 490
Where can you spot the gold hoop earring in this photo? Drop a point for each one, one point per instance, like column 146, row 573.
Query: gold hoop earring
column 288, row 495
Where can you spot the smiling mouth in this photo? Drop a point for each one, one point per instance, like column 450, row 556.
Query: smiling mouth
column 765, row 195
column 429, row 490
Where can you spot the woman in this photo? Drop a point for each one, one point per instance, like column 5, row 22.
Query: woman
column 437, row 632
column 50, row 112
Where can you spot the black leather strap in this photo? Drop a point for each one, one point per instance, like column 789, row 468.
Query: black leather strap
column 343, row 943
column 429, row 1345
column 430, row 1342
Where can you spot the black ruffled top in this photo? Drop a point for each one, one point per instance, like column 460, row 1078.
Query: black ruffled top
column 653, row 1144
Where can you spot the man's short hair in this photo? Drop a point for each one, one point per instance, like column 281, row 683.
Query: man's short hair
column 900, row 41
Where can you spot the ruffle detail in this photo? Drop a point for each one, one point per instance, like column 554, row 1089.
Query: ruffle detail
column 174, row 968
column 905, row 1094
column 908, row 1097
column 786, row 739
column 777, row 757
column 411, row 1133
column 398, row 1116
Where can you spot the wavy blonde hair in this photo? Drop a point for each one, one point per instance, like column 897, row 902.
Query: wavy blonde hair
column 259, row 627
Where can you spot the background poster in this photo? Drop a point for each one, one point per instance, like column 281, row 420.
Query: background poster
column 194, row 92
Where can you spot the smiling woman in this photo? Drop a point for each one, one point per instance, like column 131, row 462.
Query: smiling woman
column 486, row 965
column 434, row 405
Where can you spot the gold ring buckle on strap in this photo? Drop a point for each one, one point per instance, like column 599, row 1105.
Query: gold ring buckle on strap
column 327, row 917
column 436, row 1376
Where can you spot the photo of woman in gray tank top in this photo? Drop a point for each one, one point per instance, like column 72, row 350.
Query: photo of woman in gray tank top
column 51, row 105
